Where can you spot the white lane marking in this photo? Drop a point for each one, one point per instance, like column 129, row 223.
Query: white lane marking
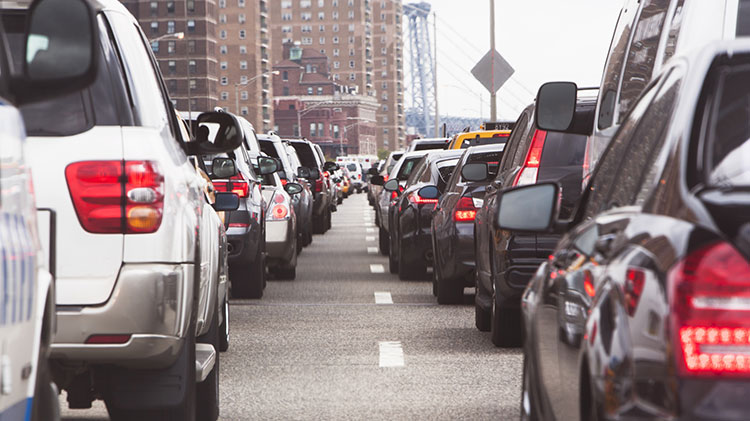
column 370, row 229
column 391, row 354
column 369, row 238
column 383, row 298
column 372, row 250
column 377, row 269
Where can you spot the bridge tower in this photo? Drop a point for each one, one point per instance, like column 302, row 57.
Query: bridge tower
column 420, row 112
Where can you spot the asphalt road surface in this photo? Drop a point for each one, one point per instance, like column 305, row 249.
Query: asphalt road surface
column 347, row 340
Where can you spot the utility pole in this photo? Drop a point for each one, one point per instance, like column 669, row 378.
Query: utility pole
column 493, row 95
column 434, row 73
column 187, row 63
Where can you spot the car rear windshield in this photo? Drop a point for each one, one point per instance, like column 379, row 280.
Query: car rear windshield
column 305, row 154
column 478, row 141
column 406, row 167
column 352, row 167
column 268, row 147
column 492, row 159
column 445, row 170
column 563, row 150
column 429, row 145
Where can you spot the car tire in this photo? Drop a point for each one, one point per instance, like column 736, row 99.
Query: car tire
column 392, row 261
column 528, row 400
column 248, row 280
column 434, row 283
column 482, row 318
column 449, row 291
column 590, row 408
column 329, row 225
column 46, row 405
column 340, row 200
column 410, row 269
column 207, row 391
column 505, row 326
column 319, row 226
column 287, row 272
column 224, row 328
column 383, row 241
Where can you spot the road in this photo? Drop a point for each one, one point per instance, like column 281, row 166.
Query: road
column 320, row 347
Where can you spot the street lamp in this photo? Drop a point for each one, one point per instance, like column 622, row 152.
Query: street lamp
column 176, row 35
column 238, row 84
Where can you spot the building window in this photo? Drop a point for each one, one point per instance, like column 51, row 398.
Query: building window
column 385, row 119
column 223, row 65
column 243, row 49
column 352, row 76
column 224, row 96
column 305, row 4
column 172, row 85
column 350, row 3
column 382, row 16
column 191, row 25
column 224, row 80
column 321, row 28
column 385, row 132
column 313, row 130
column 240, row 3
column 286, row 91
column 222, row 18
column 323, row 51
column 286, row 16
column 351, row 14
column 385, row 95
column 155, row 47
column 191, row 5
column 170, row 27
column 242, row 18
column 351, row 27
column 306, row 16
column 243, row 65
column 223, row 49
column 243, row 79
column 336, row 64
column 321, row 3
column 286, row 29
column 336, row 76
column 322, row 40
column 154, row 27
column 154, row 8
column 223, row 34
column 222, row 4
column 351, row 64
column 285, row 75
column 310, row 91
column 170, row 7
column 286, row 4
column 335, row 3
column 351, row 40
column 383, row 51
column 335, row 131
column 320, row 90
column 172, row 66
column 170, row 47
column 243, row 95
column 193, row 67
column 382, row 40
column 351, row 52
column 336, row 52
column 193, row 84
column 335, row 15
column 306, row 41
column 244, row 110
column 191, row 46
column 306, row 29
column 242, row 34
column 321, row 15
column 384, row 85
column 335, row 28
column 384, row 73
column 320, row 129
column 335, row 40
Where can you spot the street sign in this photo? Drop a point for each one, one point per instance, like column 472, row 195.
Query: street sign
column 492, row 75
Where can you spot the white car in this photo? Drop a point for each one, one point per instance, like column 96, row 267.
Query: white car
column 137, row 308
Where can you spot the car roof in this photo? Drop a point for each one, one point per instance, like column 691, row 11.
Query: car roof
column 496, row 147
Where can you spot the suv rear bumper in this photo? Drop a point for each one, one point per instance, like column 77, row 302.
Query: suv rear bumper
column 150, row 302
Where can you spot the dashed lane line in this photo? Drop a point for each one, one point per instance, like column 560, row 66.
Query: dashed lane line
column 370, row 238
column 391, row 354
column 372, row 250
column 383, row 298
column 377, row 268
column 370, row 229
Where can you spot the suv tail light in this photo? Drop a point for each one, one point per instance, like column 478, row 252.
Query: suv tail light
column 318, row 185
column 634, row 280
column 117, row 197
column 280, row 207
column 586, row 167
column 530, row 168
column 237, row 184
column 465, row 210
column 416, row 199
column 710, row 311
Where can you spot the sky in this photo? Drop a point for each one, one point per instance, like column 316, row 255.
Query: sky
column 544, row 40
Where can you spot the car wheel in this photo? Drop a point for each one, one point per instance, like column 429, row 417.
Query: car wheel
column 383, row 241
column 528, row 401
column 289, row 273
column 46, row 405
column 329, row 225
column 482, row 317
column 248, row 280
column 449, row 291
column 434, row 283
column 319, row 226
column 224, row 328
column 590, row 408
column 392, row 260
column 207, row 391
column 504, row 325
column 410, row 269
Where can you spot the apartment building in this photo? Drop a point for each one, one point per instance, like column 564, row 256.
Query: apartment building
column 188, row 63
column 244, row 67
column 362, row 39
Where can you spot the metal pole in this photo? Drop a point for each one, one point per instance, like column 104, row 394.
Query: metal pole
column 493, row 96
column 434, row 73
column 187, row 62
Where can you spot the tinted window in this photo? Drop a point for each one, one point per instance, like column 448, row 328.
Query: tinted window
column 563, row 150
column 427, row 146
column 511, row 147
column 728, row 152
column 352, row 167
column 743, row 18
column 406, row 167
column 491, row 158
column 642, row 55
column 305, row 154
column 445, row 170
column 268, row 148
column 392, row 162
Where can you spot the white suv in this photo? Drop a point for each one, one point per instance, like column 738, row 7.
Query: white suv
column 136, row 305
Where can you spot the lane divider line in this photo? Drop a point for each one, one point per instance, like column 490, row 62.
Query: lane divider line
column 377, row 269
column 391, row 354
column 372, row 250
column 383, row 298
column 370, row 229
column 370, row 238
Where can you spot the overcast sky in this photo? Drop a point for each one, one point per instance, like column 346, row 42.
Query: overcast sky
column 543, row 40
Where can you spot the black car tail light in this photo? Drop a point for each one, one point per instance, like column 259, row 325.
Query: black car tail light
column 530, row 169
column 710, row 310
column 465, row 210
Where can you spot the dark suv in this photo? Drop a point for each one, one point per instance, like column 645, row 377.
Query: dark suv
column 311, row 160
column 505, row 260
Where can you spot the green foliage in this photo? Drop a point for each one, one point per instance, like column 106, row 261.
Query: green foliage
column 383, row 153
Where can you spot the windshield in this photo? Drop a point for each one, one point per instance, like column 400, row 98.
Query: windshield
column 352, row 167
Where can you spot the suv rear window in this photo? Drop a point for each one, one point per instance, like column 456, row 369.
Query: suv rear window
column 563, row 150
column 305, row 154
column 268, row 148
column 492, row 159
column 428, row 146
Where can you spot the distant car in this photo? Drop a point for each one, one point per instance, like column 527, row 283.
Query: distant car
column 281, row 226
column 478, row 138
column 314, row 173
column 410, row 217
column 374, row 190
column 641, row 311
column 506, row 260
column 453, row 221
column 427, row 144
column 356, row 175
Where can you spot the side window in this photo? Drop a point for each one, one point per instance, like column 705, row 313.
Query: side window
column 615, row 60
column 639, row 67
column 743, row 18
column 608, row 168
column 147, row 95
column 426, row 175
column 415, row 172
column 523, row 148
column 514, row 140
column 674, row 30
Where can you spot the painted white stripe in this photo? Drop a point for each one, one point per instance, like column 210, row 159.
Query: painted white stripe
column 391, row 354
column 372, row 250
column 369, row 238
column 370, row 229
column 383, row 298
column 377, row 269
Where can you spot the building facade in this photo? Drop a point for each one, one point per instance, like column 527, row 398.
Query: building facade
column 362, row 40
column 188, row 64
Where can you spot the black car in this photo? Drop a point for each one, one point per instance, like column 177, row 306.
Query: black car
column 453, row 221
column 643, row 310
column 506, row 260
column 411, row 215
column 310, row 159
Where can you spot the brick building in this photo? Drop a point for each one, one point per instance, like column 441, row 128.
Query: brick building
column 188, row 64
column 362, row 40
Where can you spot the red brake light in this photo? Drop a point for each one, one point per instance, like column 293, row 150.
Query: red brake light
column 465, row 210
column 417, row 200
column 284, row 181
column 237, row 184
column 279, row 211
column 113, row 197
column 530, row 168
column 710, row 310
column 634, row 280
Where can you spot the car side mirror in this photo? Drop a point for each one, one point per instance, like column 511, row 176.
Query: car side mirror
column 377, row 180
column 293, row 188
column 477, row 171
column 429, row 192
column 391, row 185
column 330, row 166
column 267, row 166
column 216, row 132
column 223, row 168
column 556, row 106
column 314, row 174
column 373, row 171
column 303, row 172
column 60, row 51
column 226, row 201
column 531, row 208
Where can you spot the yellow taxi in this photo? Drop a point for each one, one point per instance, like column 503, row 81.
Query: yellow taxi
column 481, row 137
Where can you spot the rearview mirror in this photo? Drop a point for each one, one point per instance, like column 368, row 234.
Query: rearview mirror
column 391, row 185
column 216, row 132
column 303, row 172
column 429, row 192
column 529, row 208
column 223, row 168
column 267, row 165
column 377, row 180
column 60, row 50
column 477, row 171
column 556, row 106
column 293, row 188
column 330, row 166
column 226, row 201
